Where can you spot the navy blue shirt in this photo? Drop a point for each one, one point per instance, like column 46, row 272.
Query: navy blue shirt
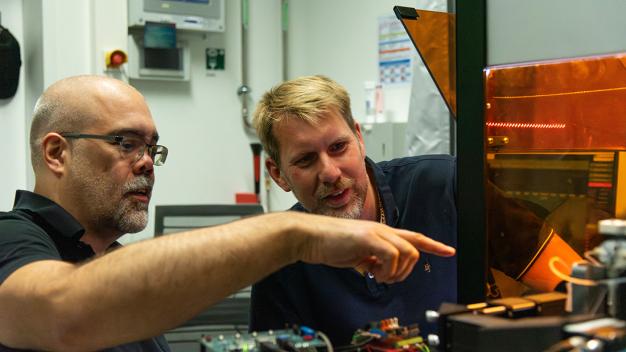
column 417, row 193
column 39, row 229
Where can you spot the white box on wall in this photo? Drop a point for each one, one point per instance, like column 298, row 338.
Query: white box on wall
column 201, row 16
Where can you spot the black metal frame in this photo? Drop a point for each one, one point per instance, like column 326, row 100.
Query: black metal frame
column 471, row 62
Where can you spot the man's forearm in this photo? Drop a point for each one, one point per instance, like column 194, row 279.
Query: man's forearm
column 147, row 288
column 144, row 289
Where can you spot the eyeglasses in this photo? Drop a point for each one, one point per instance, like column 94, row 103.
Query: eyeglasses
column 130, row 148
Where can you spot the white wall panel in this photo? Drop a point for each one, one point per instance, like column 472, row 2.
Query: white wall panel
column 12, row 111
column 530, row 30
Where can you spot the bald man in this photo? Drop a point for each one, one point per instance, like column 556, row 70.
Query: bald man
column 93, row 150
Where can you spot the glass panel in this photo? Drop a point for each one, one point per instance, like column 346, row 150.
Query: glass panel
column 574, row 104
column 433, row 34
column 556, row 142
column 555, row 152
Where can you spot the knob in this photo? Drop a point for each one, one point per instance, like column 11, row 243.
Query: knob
column 432, row 316
column 433, row 340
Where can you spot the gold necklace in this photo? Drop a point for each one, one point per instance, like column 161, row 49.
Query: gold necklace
column 382, row 221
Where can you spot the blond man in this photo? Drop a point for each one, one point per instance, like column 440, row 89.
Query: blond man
column 315, row 150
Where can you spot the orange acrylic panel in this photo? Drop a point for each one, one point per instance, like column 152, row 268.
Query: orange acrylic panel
column 567, row 104
column 434, row 36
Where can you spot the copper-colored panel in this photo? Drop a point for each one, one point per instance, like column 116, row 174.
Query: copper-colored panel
column 568, row 104
column 557, row 140
column 434, row 36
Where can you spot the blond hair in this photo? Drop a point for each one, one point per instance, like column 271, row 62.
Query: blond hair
column 306, row 98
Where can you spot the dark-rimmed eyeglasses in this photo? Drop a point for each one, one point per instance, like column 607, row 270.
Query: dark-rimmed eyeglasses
column 130, row 148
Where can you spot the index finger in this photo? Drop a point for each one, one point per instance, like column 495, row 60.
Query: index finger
column 426, row 244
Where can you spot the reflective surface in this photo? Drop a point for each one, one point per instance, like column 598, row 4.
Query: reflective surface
column 573, row 104
column 433, row 34
column 556, row 141
column 555, row 144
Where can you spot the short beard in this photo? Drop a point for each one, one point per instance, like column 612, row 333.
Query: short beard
column 103, row 203
column 355, row 210
column 131, row 220
column 322, row 208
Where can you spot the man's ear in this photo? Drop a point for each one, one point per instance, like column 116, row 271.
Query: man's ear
column 359, row 136
column 274, row 171
column 55, row 152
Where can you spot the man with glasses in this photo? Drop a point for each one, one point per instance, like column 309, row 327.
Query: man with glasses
column 63, row 287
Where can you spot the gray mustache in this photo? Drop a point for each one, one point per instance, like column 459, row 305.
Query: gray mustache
column 140, row 182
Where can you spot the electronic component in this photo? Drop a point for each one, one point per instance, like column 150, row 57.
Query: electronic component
column 387, row 336
column 296, row 339
column 596, row 321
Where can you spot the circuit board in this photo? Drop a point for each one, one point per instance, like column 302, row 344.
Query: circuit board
column 297, row 339
column 378, row 336
column 387, row 336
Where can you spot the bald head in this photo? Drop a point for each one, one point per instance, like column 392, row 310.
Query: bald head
column 71, row 105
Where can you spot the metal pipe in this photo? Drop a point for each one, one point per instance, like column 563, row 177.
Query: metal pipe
column 244, row 89
column 285, row 32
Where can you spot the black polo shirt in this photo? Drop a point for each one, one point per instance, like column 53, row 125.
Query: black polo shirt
column 40, row 229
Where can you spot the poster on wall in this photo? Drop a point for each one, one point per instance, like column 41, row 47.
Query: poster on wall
column 394, row 53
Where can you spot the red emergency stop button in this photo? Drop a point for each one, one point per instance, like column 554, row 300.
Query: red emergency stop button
column 115, row 58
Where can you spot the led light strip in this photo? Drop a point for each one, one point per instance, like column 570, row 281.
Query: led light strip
column 525, row 125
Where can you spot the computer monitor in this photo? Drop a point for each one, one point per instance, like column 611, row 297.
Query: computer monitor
column 177, row 218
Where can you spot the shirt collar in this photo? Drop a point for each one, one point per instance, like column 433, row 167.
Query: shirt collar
column 52, row 213
column 384, row 192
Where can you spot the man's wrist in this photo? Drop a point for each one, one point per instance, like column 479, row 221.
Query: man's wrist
column 293, row 235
